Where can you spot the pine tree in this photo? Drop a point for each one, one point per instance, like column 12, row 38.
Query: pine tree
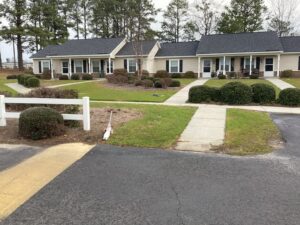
column 242, row 16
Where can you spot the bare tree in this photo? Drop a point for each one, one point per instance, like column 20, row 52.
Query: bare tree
column 283, row 16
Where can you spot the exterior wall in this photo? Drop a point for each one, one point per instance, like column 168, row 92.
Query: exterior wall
column 289, row 62
column 189, row 64
column 35, row 64
column 119, row 62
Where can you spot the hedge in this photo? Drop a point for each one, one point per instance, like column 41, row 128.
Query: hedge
column 32, row 82
column 263, row 93
column 203, row 93
column 236, row 93
column 290, row 97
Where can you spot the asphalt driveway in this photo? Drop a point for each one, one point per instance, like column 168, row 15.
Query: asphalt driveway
column 126, row 186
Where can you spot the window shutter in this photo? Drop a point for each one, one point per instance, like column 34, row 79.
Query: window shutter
column 217, row 64
column 181, row 66
column 258, row 63
column 242, row 63
column 40, row 67
column 299, row 63
column 232, row 64
column 84, row 66
column 125, row 64
column 72, row 66
column 167, row 66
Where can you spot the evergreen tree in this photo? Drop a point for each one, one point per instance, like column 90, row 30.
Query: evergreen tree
column 242, row 16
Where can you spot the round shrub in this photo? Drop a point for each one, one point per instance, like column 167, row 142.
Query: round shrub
column 63, row 77
column 161, row 74
column 120, row 72
column 290, row 97
column 232, row 75
column 176, row 75
column 11, row 77
column 168, row 81
column 263, row 93
column 87, row 77
column 75, row 76
column 144, row 73
column 222, row 76
column 236, row 93
column 203, row 93
column 40, row 122
column 148, row 83
column 254, row 76
column 286, row 74
column 139, row 83
column 189, row 74
column 160, row 84
column 175, row 83
column 33, row 82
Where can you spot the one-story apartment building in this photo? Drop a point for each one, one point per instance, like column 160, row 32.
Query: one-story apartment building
column 247, row 53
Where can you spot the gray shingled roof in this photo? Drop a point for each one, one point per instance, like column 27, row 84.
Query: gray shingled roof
column 291, row 44
column 128, row 49
column 81, row 47
column 238, row 43
column 178, row 49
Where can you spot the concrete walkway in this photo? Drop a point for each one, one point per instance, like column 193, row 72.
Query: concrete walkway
column 18, row 88
column 206, row 129
column 182, row 96
column 280, row 83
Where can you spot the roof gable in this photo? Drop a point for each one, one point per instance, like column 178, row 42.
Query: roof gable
column 178, row 49
column 97, row 46
column 239, row 43
column 128, row 49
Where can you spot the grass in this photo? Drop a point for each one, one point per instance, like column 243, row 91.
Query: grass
column 3, row 87
column 220, row 83
column 98, row 91
column 159, row 127
column 293, row 81
column 46, row 83
column 249, row 132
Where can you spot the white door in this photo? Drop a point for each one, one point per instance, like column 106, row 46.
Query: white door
column 269, row 67
column 206, row 73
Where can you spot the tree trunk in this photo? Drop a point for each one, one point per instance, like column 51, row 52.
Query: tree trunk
column 20, row 53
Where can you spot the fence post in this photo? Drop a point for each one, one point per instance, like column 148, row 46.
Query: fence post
column 2, row 111
column 86, row 113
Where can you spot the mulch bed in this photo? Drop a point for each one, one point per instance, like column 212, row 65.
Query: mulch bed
column 99, row 121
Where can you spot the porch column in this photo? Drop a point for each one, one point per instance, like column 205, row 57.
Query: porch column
column 109, row 65
column 224, row 65
column 52, row 72
column 278, row 65
column 70, row 67
column 199, row 67
column 250, row 72
column 90, row 66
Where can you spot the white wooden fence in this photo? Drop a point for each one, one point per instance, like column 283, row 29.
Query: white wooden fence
column 85, row 102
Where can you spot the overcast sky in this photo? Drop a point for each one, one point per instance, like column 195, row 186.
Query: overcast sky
column 6, row 49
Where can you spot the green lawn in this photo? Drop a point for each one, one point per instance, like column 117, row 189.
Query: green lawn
column 160, row 126
column 293, row 81
column 46, row 83
column 249, row 132
column 98, row 91
column 220, row 83
column 3, row 87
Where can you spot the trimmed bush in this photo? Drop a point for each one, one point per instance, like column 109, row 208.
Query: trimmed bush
column 286, row 74
column 160, row 84
column 32, row 82
column 161, row 74
column 144, row 73
column 175, row 83
column 236, row 93
column 75, row 76
column 148, row 83
column 254, row 76
column 139, row 83
column 40, row 123
column 203, row 93
column 189, row 74
column 222, row 76
column 11, row 77
column 168, row 81
column 290, row 97
column 213, row 74
column 232, row 75
column 87, row 77
column 63, row 77
column 120, row 72
column 176, row 75
column 263, row 93
column 6, row 93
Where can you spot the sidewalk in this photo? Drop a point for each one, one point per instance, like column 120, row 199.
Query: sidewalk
column 182, row 96
column 206, row 129
column 280, row 83
column 18, row 88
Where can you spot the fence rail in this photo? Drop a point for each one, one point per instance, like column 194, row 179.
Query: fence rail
column 85, row 102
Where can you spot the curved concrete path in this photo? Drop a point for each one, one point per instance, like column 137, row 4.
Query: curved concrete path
column 280, row 83
column 18, row 88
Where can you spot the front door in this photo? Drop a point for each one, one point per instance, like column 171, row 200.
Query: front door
column 206, row 68
column 269, row 67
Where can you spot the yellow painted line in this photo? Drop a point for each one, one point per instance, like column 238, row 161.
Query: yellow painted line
column 20, row 183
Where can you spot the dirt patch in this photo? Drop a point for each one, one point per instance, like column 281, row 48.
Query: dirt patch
column 99, row 121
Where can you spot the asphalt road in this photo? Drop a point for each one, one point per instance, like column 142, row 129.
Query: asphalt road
column 126, row 186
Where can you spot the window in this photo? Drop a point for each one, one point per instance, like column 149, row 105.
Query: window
column 132, row 65
column 227, row 64
column 65, row 67
column 247, row 63
column 45, row 66
column 174, row 66
column 96, row 66
column 269, row 64
column 78, row 66
column 206, row 66
column 111, row 66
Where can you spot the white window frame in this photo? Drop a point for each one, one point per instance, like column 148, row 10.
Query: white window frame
column 178, row 65
column 221, row 62
column 42, row 65
column 99, row 65
column 62, row 67
column 136, row 65
column 253, row 62
column 75, row 67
